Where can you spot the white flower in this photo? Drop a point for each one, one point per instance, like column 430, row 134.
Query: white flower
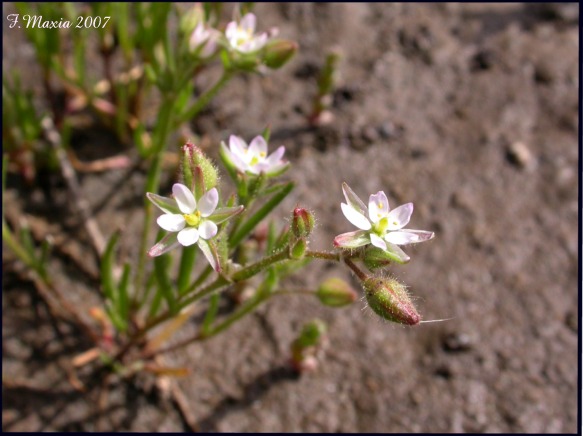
column 241, row 36
column 190, row 222
column 378, row 224
column 203, row 36
column 254, row 159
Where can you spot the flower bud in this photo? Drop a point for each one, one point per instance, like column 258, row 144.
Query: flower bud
column 193, row 157
column 311, row 335
column 298, row 248
column 336, row 292
column 191, row 19
column 302, row 222
column 278, row 52
column 389, row 299
column 305, row 349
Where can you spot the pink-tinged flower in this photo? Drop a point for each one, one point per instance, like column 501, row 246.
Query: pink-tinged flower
column 241, row 36
column 253, row 158
column 204, row 40
column 379, row 225
column 190, row 222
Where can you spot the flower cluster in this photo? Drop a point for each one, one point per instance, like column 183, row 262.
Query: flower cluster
column 378, row 224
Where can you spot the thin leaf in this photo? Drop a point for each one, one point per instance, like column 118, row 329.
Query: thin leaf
column 107, row 281
column 123, row 293
column 165, row 204
column 210, row 252
column 161, row 269
column 187, row 262
column 224, row 213
column 211, row 313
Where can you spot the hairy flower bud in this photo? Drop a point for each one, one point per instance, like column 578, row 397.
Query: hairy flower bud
column 298, row 248
column 302, row 222
column 193, row 157
column 389, row 299
column 278, row 52
column 336, row 292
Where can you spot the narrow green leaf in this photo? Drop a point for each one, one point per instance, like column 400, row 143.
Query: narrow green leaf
column 187, row 262
column 123, row 296
column 165, row 204
column 114, row 317
column 107, row 281
column 211, row 313
column 161, row 268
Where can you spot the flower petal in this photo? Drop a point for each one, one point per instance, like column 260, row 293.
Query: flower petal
column 210, row 252
column 231, row 30
column 377, row 241
column 237, row 146
column 352, row 239
column 258, row 146
column 165, row 204
column 400, row 216
column 378, row 206
column 207, row 229
column 166, row 244
column 188, row 236
column 352, row 199
column 356, row 218
column 224, row 213
column 276, row 156
column 184, row 198
column 171, row 222
column 406, row 236
column 208, row 202
column 248, row 22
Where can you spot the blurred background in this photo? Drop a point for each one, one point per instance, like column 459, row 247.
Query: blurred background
column 470, row 111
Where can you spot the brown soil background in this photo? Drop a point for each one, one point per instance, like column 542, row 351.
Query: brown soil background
column 432, row 99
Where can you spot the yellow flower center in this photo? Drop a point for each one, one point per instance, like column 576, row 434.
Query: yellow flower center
column 380, row 227
column 192, row 219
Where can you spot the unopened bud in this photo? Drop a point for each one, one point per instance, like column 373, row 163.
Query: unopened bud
column 191, row 18
column 193, row 157
column 336, row 292
column 304, row 349
column 302, row 222
column 312, row 333
column 298, row 248
column 278, row 52
column 389, row 299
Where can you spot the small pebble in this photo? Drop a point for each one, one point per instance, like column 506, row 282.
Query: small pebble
column 457, row 342
column 520, row 155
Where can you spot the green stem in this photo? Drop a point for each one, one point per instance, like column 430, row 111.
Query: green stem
column 359, row 273
column 16, row 247
column 206, row 97
column 153, row 181
column 323, row 255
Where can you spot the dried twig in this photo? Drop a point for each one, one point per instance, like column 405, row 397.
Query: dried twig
column 90, row 223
